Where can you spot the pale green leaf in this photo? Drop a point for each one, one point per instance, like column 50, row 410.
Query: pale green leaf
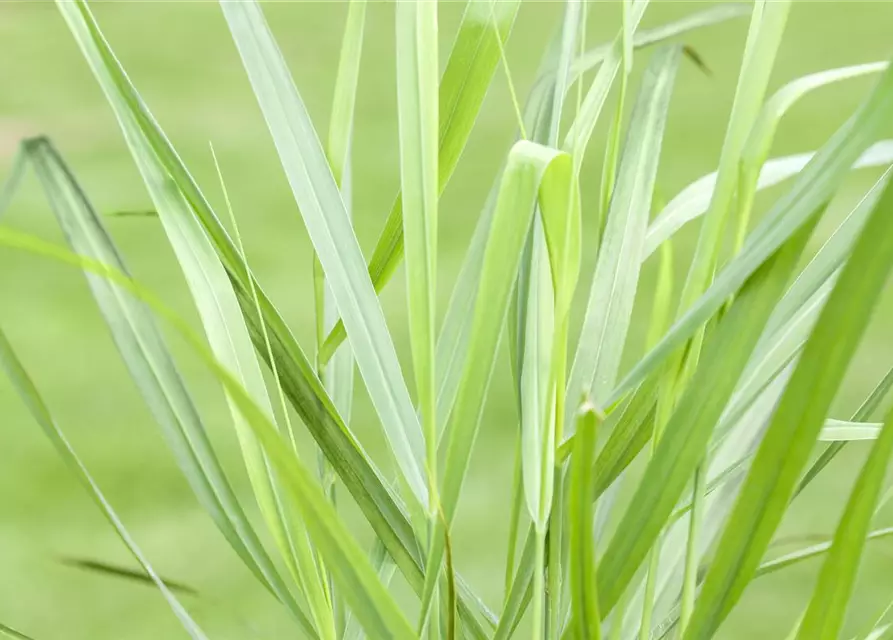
column 417, row 116
column 613, row 291
column 693, row 201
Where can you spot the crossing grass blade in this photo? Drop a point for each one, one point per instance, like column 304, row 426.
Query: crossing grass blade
column 357, row 579
column 646, row 37
column 331, row 232
column 684, row 443
column 469, row 71
column 609, row 308
column 797, row 421
column 693, row 201
column 416, row 35
column 825, row 614
column 793, row 318
column 810, row 552
column 864, row 411
column 29, row 394
column 152, row 368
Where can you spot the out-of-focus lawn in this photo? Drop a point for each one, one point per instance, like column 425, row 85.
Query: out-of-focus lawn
column 180, row 56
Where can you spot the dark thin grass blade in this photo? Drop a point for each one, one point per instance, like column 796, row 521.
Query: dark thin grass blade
column 9, row 632
column 118, row 572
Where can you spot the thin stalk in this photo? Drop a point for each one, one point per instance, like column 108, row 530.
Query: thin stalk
column 690, row 577
column 559, row 383
column 660, row 316
column 517, row 501
column 508, row 75
column 539, row 586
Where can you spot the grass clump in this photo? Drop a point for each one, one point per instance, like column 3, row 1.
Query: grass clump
column 711, row 430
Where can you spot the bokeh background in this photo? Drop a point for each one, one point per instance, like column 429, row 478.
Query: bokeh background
column 181, row 58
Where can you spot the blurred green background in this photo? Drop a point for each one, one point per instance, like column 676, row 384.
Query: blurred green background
column 183, row 61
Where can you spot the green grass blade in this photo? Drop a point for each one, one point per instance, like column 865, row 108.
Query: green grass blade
column 116, row 571
column 864, row 411
column 814, row 186
column 306, row 568
column 693, row 201
column 585, row 618
column 646, row 37
column 685, row 439
column 577, row 138
column 417, row 110
column 332, row 235
column 812, row 551
column 12, row 633
column 613, row 290
column 469, row 71
column 825, row 614
column 339, row 373
column 33, row 400
column 849, row 431
column 153, row 370
column 416, row 36
column 370, row 601
column 795, row 425
column 345, row 94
